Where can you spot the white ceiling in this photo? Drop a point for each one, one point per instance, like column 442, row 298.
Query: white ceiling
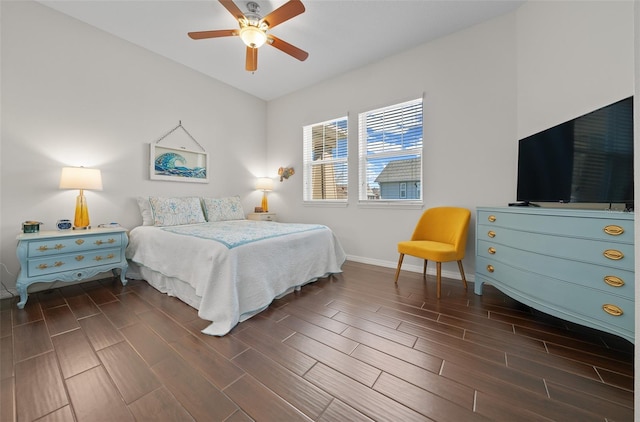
column 340, row 35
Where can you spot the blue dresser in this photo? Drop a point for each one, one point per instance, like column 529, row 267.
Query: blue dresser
column 574, row 264
column 69, row 256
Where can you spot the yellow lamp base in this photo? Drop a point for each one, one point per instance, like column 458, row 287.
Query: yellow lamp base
column 81, row 219
column 265, row 204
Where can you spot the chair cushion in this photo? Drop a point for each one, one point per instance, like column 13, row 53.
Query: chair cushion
column 429, row 250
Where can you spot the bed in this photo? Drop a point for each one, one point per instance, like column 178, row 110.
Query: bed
column 229, row 269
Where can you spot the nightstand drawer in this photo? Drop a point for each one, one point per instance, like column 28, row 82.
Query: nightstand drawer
column 68, row 262
column 262, row 216
column 67, row 245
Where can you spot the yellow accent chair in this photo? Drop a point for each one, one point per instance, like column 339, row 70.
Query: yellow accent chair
column 440, row 236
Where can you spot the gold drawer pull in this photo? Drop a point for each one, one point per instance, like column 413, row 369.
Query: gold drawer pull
column 99, row 242
column 58, row 264
column 491, row 233
column 79, row 258
column 111, row 241
column 59, row 246
column 492, row 218
column 613, row 254
column 42, row 266
column 98, row 258
column 43, row 248
column 613, row 281
column 492, row 250
column 110, row 256
column 612, row 309
column 613, row 230
column 490, row 268
column 79, row 241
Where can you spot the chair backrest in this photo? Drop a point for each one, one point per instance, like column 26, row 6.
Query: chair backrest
column 444, row 224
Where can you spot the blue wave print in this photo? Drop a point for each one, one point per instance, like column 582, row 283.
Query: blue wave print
column 166, row 164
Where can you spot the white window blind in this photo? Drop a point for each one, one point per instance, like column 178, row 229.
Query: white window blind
column 325, row 161
column 390, row 153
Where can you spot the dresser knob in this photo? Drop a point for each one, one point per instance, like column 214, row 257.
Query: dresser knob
column 613, row 230
column 79, row 241
column 613, row 281
column 492, row 218
column 492, row 250
column 79, row 257
column 43, row 248
column 612, row 309
column 491, row 234
column 490, row 268
column 613, row 254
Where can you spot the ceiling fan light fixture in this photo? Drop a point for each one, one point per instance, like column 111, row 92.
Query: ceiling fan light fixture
column 253, row 36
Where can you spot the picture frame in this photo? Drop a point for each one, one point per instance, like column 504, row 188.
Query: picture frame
column 178, row 164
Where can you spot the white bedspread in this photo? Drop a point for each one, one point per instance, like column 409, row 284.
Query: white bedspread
column 234, row 280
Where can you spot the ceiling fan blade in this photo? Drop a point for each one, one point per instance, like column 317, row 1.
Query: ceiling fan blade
column 232, row 8
column 251, row 64
column 284, row 13
column 285, row 47
column 213, row 34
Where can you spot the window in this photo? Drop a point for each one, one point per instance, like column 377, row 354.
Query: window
column 325, row 161
column 390, row 153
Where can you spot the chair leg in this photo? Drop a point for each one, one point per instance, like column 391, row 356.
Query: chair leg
column 464, row 280
column 424, row 269
column 398, row 269
column 438, row 278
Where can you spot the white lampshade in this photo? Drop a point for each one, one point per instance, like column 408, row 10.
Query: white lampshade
column 80, row 178
column 253, row 36
column 264, row 184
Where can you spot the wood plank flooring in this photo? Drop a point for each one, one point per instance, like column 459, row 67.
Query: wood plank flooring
column 352, row 347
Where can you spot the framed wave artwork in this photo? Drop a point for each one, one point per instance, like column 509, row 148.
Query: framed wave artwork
column 178, row 165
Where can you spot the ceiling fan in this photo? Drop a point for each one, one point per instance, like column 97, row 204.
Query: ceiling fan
column 253, row 29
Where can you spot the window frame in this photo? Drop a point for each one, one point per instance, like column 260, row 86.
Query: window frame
column 309, row 163
column 364, row 156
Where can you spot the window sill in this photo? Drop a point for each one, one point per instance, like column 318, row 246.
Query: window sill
column 325, row 203
column 405, row 205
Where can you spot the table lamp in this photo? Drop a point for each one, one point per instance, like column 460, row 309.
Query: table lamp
column 264, row 184
column 81, row 178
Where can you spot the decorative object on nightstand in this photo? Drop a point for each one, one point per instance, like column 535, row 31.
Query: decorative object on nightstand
column 69, row 256
column 262, row 216
column 81, row 178
column 265, row 184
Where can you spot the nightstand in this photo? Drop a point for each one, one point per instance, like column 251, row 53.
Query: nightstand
column 69, row 256
column 262, row 216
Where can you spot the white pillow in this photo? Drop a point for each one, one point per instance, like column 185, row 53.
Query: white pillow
column 222, row 209
column 145, row 210
column 176, row 211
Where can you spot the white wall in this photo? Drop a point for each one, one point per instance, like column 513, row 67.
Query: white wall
column 469, row 85
column 74, row 95
column 484, row 87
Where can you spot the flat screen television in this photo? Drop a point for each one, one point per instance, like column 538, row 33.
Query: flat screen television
column 586, row 160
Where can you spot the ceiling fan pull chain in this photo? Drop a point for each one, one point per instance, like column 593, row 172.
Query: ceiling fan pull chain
column 185, row 131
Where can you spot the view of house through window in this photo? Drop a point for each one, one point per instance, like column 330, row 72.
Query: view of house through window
column 390, row 152
column 325, row 160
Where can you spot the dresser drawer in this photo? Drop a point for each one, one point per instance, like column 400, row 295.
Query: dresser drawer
column 63, row 245
column 580, row 225
column 70, row 262
column 609, row 280
column 580, row 302
column 613, row 255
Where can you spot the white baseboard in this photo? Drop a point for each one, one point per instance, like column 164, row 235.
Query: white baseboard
column 431, row 269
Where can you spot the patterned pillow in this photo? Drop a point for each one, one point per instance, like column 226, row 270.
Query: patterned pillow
column 222, row 209
column 176, row 211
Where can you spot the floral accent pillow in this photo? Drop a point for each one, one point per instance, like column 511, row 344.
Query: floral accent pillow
column 176, row 211
column 223, row 209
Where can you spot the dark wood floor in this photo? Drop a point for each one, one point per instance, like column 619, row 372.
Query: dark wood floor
column 348, row 348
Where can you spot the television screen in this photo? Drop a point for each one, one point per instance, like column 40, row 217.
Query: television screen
column 587, row 159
